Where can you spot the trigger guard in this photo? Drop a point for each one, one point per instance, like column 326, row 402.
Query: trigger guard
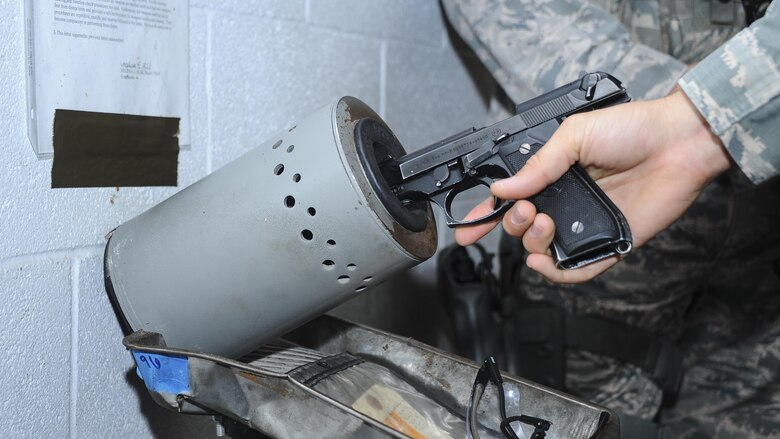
column 496, row 213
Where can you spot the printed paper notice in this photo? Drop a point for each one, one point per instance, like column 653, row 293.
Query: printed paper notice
column 108, row 56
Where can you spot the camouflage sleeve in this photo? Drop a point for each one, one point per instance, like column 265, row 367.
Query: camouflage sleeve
column 737, row 89
column 531, row 46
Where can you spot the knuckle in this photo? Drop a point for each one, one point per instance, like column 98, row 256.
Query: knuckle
column 534, row 161
column 575, row 128
column 571, row 122
column 528, row 244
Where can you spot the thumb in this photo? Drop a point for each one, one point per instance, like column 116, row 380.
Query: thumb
column 547, row 165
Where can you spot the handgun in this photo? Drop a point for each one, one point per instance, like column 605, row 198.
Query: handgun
column 588, row 226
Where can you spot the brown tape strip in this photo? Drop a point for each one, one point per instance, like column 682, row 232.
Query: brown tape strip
column 105, row 149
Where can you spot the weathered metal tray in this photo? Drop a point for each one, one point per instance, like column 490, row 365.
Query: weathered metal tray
column 261, row 391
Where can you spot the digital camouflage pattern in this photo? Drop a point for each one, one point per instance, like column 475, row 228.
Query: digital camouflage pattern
column 737, row 89
column 532, row 46
column 708, row 281
column 681, row 28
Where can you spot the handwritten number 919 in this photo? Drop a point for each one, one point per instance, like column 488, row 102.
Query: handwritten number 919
column 151, row 361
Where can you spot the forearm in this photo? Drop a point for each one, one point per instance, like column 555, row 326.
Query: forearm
column 692, row 138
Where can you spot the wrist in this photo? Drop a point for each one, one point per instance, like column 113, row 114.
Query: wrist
column 702, row 147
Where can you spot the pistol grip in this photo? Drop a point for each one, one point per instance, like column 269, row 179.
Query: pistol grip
column 588, row 226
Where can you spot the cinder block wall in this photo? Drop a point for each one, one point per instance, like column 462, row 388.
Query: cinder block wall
column 255, row 66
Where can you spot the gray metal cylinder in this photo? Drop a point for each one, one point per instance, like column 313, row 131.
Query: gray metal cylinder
column 264, row 244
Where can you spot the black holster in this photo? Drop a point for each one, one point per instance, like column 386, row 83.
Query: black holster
column 537, row 335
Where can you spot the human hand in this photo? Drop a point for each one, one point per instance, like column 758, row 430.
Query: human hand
column 652, row 159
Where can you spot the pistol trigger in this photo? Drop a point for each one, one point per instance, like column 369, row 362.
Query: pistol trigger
column 497, row 203
column 501, row 206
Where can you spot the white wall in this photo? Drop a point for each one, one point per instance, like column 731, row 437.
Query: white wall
column 255, row 66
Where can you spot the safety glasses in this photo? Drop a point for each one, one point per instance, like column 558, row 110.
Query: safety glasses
column 489, row 373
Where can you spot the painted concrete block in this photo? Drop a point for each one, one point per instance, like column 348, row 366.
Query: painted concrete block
column 287, row 9
column 112, row 401
column 268, row 73
column 417, row 21
column 434, row 93
column 199, row 100
column 35, row 335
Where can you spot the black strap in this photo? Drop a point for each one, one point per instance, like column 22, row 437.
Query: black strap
column 660, row 360
column 543, row 332
column 312, row 373
column 535, row 344
column 490, row 373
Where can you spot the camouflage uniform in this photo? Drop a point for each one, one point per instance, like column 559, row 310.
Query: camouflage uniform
column 737, row 89
column 708, row 281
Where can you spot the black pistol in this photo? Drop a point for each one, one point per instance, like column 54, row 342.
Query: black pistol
column 589, row 227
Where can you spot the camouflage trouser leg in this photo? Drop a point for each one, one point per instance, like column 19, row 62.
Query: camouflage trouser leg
column 707, row 281
column 732, row 336
column 732, row 379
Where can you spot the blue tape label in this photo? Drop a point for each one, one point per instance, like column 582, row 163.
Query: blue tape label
column 163, row 373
